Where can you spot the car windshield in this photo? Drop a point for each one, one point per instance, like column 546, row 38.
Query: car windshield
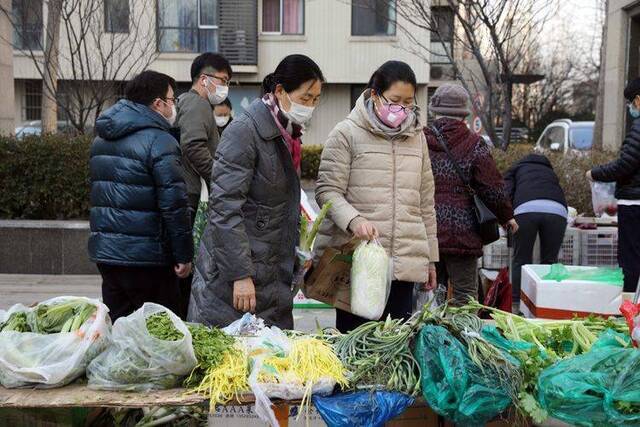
column 582, row 138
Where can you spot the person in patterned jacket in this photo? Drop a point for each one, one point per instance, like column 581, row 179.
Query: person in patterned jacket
column 458, row 239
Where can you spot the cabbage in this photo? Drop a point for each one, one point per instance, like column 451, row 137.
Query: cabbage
column 370, row 280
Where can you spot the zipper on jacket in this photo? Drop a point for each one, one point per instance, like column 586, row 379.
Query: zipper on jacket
column 393, row 200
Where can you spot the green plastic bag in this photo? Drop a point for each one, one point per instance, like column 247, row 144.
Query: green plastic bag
column 451, row 384
column 610, row 276
column 598, row 388
column 202, row 216
column 495, row 338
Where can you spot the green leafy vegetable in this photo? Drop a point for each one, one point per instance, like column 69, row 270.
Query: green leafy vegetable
column 161, row 326
column 209, row 345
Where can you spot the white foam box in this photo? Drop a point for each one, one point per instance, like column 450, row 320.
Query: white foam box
column 245, row 416
column 551, row 299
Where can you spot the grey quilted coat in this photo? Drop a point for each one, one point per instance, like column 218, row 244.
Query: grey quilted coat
column 254, row 212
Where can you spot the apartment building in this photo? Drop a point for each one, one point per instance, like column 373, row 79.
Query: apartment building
column 621, row 64
column 348, row 39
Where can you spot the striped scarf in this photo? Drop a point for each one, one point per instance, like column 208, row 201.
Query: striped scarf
column 291, row 132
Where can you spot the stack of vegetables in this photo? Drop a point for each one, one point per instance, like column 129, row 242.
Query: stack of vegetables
column 378, row 356
column 52, row 343
column 58, row 317
column 222, row 370
column 150, row 349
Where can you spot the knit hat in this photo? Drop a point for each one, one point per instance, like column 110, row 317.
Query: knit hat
column 450, row 100
column 632, row 90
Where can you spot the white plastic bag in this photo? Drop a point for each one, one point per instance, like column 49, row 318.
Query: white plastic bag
column 51, row 360
column 603, row 198
column 137, row 360
column 273, row 342
column 371, row 275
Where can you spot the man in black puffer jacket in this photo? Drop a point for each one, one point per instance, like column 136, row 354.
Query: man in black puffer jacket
column 625, row 172
column 140, row 226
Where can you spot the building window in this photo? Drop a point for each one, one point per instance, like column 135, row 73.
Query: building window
column 116, row 16
column 373, row 17
column 188, row 26
column 32, row 100
column 283, row 16
column 442, row 35
column 27, row 31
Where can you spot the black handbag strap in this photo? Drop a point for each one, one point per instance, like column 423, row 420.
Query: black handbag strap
column 456, row 166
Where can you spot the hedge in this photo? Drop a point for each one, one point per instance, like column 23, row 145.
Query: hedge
column 48, row 177
column 44, row 177
column 571, row 170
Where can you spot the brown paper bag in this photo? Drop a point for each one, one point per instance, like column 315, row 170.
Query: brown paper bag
column 329, row 281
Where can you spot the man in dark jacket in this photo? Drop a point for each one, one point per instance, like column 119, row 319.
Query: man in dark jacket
column 540, row 209
column 210, row 74
column 625, row 172
column 140, row 229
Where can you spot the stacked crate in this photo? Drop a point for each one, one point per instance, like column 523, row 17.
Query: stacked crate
column 599, row 247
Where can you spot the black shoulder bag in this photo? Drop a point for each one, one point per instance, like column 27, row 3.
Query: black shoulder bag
column 488, row 227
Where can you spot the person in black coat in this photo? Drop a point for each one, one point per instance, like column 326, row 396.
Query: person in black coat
column 140, row 227
column 625, row 172
column 540, row 208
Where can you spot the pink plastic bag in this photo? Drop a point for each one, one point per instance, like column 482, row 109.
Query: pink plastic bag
column 603, row 198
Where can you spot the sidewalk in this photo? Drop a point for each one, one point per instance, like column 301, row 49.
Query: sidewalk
column 32, row 288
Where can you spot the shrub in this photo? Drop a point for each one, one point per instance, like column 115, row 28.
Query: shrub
column 310, row 161
column 44, row 177
column 48, row 177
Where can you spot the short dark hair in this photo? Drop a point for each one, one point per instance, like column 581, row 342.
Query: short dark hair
column 208, row 59
column 632, row 90
column 389, row 73
column 227, row 103
column 147, row 86
column 291, row 73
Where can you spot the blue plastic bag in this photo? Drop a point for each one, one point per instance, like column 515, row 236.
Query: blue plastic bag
column 363, row 408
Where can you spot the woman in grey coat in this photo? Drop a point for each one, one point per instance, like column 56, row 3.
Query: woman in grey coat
column 247, row 256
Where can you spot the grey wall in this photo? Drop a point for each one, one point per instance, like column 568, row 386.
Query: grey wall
column 45, row 247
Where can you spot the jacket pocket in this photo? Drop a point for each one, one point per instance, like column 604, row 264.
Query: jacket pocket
column 263, row 216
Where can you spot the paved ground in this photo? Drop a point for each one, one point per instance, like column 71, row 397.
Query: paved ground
column 29, row 289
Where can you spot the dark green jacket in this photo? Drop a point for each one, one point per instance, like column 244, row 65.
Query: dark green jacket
column 198, row 141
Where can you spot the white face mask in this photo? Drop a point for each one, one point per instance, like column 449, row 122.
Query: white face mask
column 219, row 95
column 298, row 113
column 221, row 121
column 172, row 118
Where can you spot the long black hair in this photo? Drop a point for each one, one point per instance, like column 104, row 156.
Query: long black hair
column 389, row 73
column 291, row 73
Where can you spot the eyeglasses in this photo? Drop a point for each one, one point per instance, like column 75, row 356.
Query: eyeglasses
column 172, row 100
column 225, row 81
column 396, row 108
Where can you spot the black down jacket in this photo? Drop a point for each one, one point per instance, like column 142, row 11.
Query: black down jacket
column 254, row 213
column 625, row 170
column 533, row 178
column 139, row 213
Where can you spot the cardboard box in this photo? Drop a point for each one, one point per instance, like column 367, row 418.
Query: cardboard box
column 329, row 281
column 551, row 299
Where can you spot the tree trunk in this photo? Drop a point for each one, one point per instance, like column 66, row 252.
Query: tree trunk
column 598, row 129
column 51, row 64
column 507, row 114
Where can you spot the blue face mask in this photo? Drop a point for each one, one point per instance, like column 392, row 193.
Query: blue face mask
column 633, row 111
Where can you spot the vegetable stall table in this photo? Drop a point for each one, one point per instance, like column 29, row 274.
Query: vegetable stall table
column 22, row 403
column 80, row 396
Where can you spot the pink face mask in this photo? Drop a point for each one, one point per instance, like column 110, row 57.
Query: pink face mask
column 394, row 118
